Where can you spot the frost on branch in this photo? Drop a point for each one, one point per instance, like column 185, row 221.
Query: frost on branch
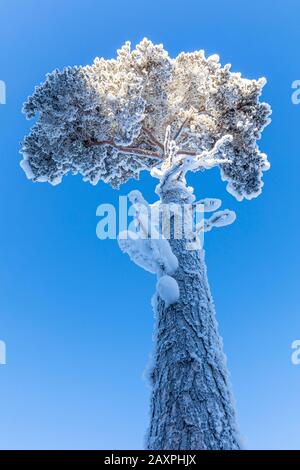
column 139, row 250
column 218, row 219
column 146, row 246
column 153, row 255
column 150, row 250
column 156, row 257
column 210, row 204
column 108, row 121
column 86, row 124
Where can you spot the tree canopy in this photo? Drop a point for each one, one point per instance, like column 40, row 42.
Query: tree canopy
column 108, row 121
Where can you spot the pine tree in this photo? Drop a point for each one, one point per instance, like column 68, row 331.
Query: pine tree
column 146, row 111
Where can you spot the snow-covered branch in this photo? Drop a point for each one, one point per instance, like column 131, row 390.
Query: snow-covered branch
column 209, row 204
column 153, row 139
column 209, row 158
column 178, row 133
column 218, row 219
column 174, row 166
column 150, row 250
column 122, row 148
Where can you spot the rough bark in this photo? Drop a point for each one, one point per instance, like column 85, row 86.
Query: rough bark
column 191, row 404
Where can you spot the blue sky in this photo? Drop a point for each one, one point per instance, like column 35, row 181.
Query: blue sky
column 74, row 311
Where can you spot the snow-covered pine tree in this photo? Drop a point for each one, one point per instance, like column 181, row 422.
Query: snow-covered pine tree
column 146, row 111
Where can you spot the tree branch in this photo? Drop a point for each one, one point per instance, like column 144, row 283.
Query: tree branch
column 218, row 219
column 207, row 158
column 153, row 139
column 133, row 150
column 186, row 152
column 180, row 129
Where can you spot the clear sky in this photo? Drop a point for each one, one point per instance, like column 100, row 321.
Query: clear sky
column 74, row 311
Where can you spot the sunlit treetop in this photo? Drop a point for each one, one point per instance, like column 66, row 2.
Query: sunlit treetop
column 108, row 121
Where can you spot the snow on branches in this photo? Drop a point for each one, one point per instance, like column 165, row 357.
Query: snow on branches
column 153, row 255
column 112, row 119
column 154, row 250
column 149, row 249
column 147, row 244
column 219, row 219
column 210, row 204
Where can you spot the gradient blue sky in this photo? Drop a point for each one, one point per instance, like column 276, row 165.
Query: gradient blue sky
column 75, row 312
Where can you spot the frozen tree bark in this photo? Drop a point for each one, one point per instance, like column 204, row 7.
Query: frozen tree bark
column 191, row 404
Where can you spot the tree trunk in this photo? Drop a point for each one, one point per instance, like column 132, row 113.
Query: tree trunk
column 191, row 404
